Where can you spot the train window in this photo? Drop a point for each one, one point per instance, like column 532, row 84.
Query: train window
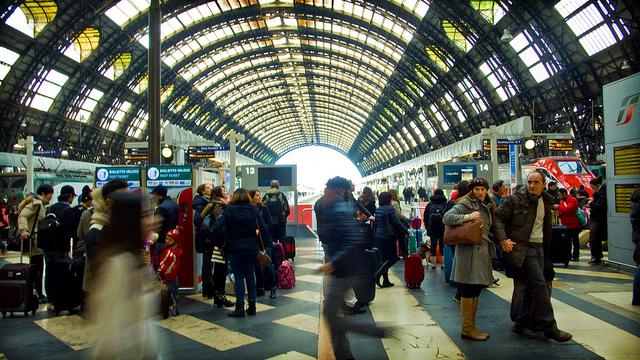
column 571, row 167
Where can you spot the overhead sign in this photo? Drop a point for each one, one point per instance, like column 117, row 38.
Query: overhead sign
column 201, row 152
column 626, row 159
column 169, row 176
column 136, row 154
column 486, row 146
column 560, row 145
column 623, row 197
column 131, row 174
column 55, row 152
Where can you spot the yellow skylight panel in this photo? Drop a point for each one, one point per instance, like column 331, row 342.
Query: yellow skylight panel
column 490, row 10
column 455, row 35
column 434, row 53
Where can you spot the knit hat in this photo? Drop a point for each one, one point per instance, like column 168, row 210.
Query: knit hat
column 478, row 182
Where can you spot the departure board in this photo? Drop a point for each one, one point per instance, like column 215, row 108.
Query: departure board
column 560, row 145
column 626, row 159
column 623, row 196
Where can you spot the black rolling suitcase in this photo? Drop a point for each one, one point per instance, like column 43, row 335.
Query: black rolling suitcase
column 289, row 247
column 67, row 280
column 16, row 285
column 560, row 245
column 366, row 292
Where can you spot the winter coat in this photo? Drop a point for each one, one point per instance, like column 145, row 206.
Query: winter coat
column 263, row 212
column 81, row 232
column 167, row 209
column 472, row 263
column 497, row 199
column 599, row 206
column 514, row 220
column 28, row 218
column 388, row 226
column 198, row 204
column 238, row 223
column 437, row 200
column 343, row 241
column 567, row 212
column 396, row 206
column 170, row 262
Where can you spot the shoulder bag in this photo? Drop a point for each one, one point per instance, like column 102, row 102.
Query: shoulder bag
column 262, row 259
column 467, row 233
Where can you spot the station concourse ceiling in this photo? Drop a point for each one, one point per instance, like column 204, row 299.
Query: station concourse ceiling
column 379, row 81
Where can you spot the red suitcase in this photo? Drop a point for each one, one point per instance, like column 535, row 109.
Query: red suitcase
column 413, row 271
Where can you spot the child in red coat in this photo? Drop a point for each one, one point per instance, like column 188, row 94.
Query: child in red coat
column 170, row 261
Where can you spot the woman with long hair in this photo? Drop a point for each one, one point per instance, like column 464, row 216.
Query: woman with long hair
column 240, row 224
column 118, row 307
column 265, row 277
column 472, row 269
column 368, row 200
column 214, row 253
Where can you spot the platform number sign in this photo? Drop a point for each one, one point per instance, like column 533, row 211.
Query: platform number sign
column 250, row 170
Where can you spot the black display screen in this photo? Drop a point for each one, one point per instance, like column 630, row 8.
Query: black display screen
column 268, row 174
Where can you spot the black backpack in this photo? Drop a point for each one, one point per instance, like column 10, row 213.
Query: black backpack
column 275, row 205
column 436, row 212
column 206, row 229
column 49, row 233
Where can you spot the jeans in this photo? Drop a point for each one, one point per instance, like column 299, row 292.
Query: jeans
column 50, row 258
column 596, row 236
column 266, row 276
column 531, row 300
column 635, row 300
column 389, row 258
column 574, row 236
column 38, row 265
column 243, row 267
column 338, row 324
column 436, row 239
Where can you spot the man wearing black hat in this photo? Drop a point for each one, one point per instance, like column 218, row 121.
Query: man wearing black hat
column 59, row 246
column 167, row 213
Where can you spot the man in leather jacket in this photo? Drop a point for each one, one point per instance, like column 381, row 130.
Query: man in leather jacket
column 522, row 226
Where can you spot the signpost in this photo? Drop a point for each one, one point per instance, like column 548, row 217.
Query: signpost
column 513, row 165
column 131, row 174
column 55, row 152
column 196, row 153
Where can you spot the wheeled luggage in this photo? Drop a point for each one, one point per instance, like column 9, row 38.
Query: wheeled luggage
column 16, row 284
column 448, row 263
column 67, row 280
column 413, row 271
column 560, row 245
column 366, row 292
column 285, row 271
column 289, row 247
column 416, row 222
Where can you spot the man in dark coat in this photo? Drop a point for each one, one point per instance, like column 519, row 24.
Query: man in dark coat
column 522, row 226
column 598, row 220
column 343, row 243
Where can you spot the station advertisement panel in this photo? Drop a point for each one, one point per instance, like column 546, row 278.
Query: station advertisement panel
column 131, row 174
column 169, row 176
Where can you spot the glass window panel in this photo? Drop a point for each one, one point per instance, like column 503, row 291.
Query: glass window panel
column 7, row 59
column 125, row 10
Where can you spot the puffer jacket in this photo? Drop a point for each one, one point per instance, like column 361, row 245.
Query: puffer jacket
column 238, row 223
column 28, row 217
column 198, row 204
column 567, row 212
column 514, row 220
column 388, row 226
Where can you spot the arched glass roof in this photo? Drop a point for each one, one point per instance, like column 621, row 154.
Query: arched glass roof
column 380, row 81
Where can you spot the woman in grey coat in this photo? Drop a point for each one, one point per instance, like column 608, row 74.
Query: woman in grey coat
column 472, row 269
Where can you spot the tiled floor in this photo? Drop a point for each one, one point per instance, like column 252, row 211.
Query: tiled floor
column 589, row 301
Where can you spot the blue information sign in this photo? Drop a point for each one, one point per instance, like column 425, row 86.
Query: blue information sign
column 513, row 163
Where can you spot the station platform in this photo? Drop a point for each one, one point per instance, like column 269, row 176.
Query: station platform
column 591, row 302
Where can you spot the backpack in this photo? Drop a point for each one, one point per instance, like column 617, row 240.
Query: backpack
column 436, row 212
column 206, row 229
column 275, row 205
column 49, row 233
column 581, row 217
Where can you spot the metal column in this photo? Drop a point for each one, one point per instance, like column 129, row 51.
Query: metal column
column 155, row 18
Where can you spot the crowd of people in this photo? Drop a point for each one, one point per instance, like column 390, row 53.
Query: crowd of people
column 126, row 242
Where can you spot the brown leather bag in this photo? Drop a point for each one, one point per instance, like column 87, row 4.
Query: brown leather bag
column 467, row 233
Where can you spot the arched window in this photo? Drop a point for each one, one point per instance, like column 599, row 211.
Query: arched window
column 32, row 16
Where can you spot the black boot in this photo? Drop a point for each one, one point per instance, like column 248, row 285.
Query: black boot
column 272, row 295
column 220, row 300
column 238, row 312
column 251, row 309
column 386, row 282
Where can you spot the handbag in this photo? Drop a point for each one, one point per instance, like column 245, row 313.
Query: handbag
column 262, row 259
column 467, row 233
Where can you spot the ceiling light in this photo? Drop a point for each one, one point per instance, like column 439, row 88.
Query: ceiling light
column 512, row 113
column 506, row 35
column 625, row 65
column 529, row 144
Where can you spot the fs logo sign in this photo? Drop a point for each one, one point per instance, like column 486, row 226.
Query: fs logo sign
column 628, row 106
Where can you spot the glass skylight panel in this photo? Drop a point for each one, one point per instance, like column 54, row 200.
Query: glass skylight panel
column 416, row 130
column 138, row 124
column 594, row 25
column 530, row 46
column 439, row 116
column 88, row 105
column 489, row 9
column 115, row 116
column 48, row 90
column 456, row 36
column 473, row 95
column 126, row 10
column 7, row 59
column 499, row 77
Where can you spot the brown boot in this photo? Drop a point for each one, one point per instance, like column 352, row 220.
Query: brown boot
column 475, row 310
column 467, row 313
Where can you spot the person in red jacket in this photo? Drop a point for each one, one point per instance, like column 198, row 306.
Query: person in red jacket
column 567, row 211
column 170, row 261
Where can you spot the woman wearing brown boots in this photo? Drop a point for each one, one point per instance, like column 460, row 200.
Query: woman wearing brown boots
column 472, row 269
